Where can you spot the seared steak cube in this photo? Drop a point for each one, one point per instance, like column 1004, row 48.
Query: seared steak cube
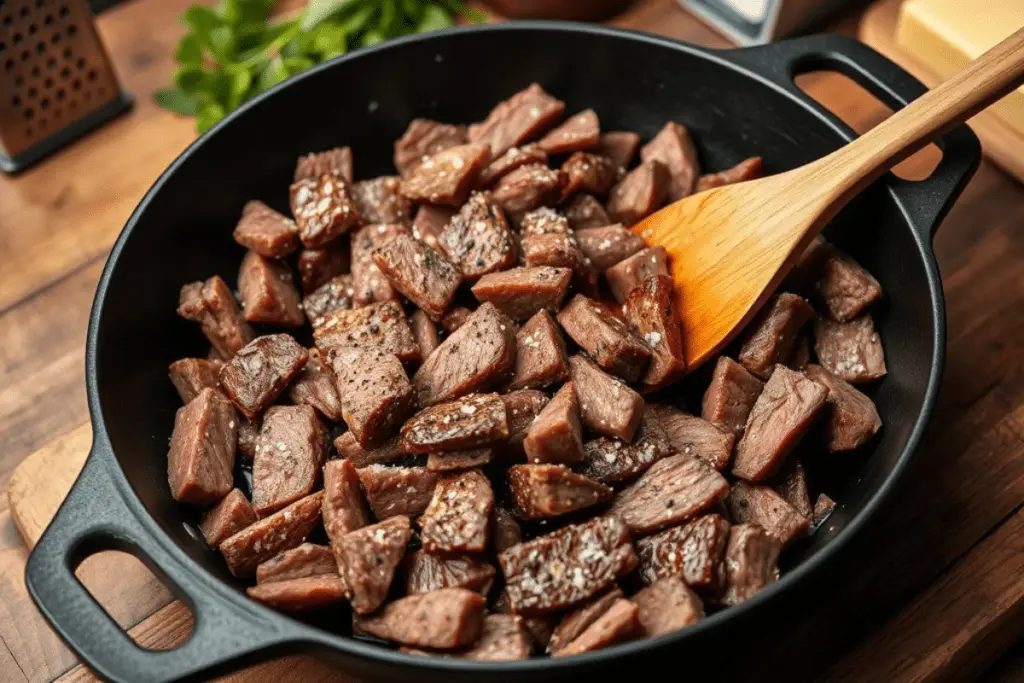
column 447, row 461
column 505, row 530
column 474, row 358
column 334, row 295
column 584, row 211
column 588, row 173
column 556, row 434
column 477, row 238
column 443, row 619
column 268, row 292
column 344, row 507
column 540, row 353
column 607, row 245
column 349, row 448
column 447, row 176
column 418, row 272
column 792, row 485
column 774, row 334
column 578, row 620
column 558, row 250
column 368, row 558
column 454, row 318
column 394, row 491
column 565, row 568
column 852, row 417
column 368, row 282
column 607, row 405
column 633, row 271
column 316, row 386
column 694, row 552
column 504, row 638
column 667, row 605
column 639, row 194
column 750, row 562
column 580, row 131
column 764, row 507
column 265, row 231
column 604, row 337
column 290, row 453
column 620, row 146
column 300, row 562
column 510, row 161
column 232, row 514
column 539, row 628
column 674, row 489
column 652, row 315
column 731, row 395
column 522, row 292
column 378, row 201
column 543, row 491
column 458, row 517
column 673, row 147
column 527, row 188
column 271, row 535
column 300, row 595
column 425, row 572
column 518, row 119
column 424, row 138
column 202, row 451
column 191, row 375
column 260, row 371
column 748, row 169
column 377, row 327
column 842, row 286
column 781, row 416
column 851, row 351
column 376, row 396
column 692, row 435
column 429, row 223
column 213, row 306
column 323, row 208
column 823, row 507
column 424, row 330
column 619, row 623
column 522, row 408
column 337, row 161
column 467, row 422
column 612, row 460
column 319, row 266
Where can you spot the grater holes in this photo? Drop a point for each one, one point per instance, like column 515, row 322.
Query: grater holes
column 25, row 55
column 8, row 20
column 64, row 11
column 39, row 3
column 48, row 82
column 40, row 48
column 76, row 84
column 3, row 46
column 67, row 53
column 16, row 101
column 91, row 76
column 65, row 73
column 35, row 71
column 32, row 28
column 17, row 38
column 51, row 63
column 55, row 38
column 29, row 113
column 72, row 30
column 47, row 20
column 80, row 63
column 24, row 12
column 44, row 103
column 32, row 92
column 9, row 65
column 61, row 94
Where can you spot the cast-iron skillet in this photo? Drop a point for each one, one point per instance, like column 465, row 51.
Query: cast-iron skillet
column 738, row 103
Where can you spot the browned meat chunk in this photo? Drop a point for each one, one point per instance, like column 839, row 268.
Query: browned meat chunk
column 578, row 132
column 349, row 448
column 608, row 245
column 619, row 623
column 851, row 351
column 774, row 334
column 344, row 508
column 667, row 605
column 782, row 414
column 265, row 231
column 334, row 295
column 248, row 436
column 323, row 209
column 764, row 507
column 232, row 514
column 694, row 552
column 522, row 408
column 823, row 507
column 319, row 266
column 748, row 169
column 673, row 147
column 458, row 517
column 671, row 491
column 539, row 628
column 574, row 623
column 394, row 491
column 316, row 386
column 447, row 176
column 607, row 405
column 447, row 461
column 468, row 422
column 377, row 201
column 521, row 292
column 418, row 272
column 840, row 284
column 639, row 194
column 792, row 485
column 202, row 451
column 633, row 271
column 300, row 595
column 368, row 558
column 750, row 562
column 308, row 559
column 504, row 638
column 505, row 531
column 731, row 395
column 528, row 187
column 801, row 354
column 377, row 327
column 376, row 395
column 620, row 146
column 271, row 535
column 477, row 238
column 510, row 161
column 588, row 173
column 289, row 456
column 191, row 375
column 424, row 330
column 474, row 358
column 651, row 313
column 260, row 371
column 523, row 116
column 543, row 491
column 604, row 337
column 546, row 221
column 612, row 460
column 425, row 572
column 454, row 318
column 540, row 357
column 692, row 435
column 213, row 306
column 430, row 222
column 566, row 567
column 337, row 161
column 852, row 417
column 424, row 138
column 584, row 211
column 368, row 282
column 556, row 434
column 268, row 292
column 442, row 619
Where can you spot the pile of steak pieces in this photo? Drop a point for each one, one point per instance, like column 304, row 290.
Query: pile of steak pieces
column 503, row 488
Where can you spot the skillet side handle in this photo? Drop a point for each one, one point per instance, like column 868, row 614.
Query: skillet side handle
column 94, row 518
column 927, row 201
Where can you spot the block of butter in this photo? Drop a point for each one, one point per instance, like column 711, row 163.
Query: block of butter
column 943, row 35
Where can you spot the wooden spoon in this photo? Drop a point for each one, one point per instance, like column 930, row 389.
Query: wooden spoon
column 730, row 247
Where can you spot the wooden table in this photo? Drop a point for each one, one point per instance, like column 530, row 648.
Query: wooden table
column 946, row 564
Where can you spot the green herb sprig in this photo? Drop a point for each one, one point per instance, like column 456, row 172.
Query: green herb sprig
column 233, row 52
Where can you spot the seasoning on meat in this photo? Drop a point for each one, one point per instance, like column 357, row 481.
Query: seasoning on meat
column 268, row 292
column 522, row 292
column 376, row 395
column 544, row 491
column 527, row 188
column 425, row 572
column 633, row 271
column 447, row 176
column 673, row 147
column 474, row 358
column 424, row 330
column 202, row 450
column 191, row 375
column 260, row 371
column 791, row 484
column 468, row 422
column 518, row 119
column 774, row 334
column 750, row 562
column 271, row 535
column 539, row 628
column 454, row 318
column 368, row 558
column 232, row 514
column 748, row 169
column 319, row 266
column 540, row 354
column 731, row 395
column 667, row 605
column 619, row 623
column 692, row 435
column 337, row 161
column 510, row 161
column 584, row 211
column 377, row 327
column 694, row 552
column 317, row 387
column 344, row 507
column 764, row 507
column 378, row 201
column 368, row 282
column 504, row 638
column 851, row 351
column 851, row 417
column 447, row 461
column 266, row 231
column 563, row 569
column 556, row 435
column 653, row 317
column 609, row 460
column 308, row 559
column 457, row 519
column 547, row 240
column 248, row 435
column 505, row 530
column 443, row 619
column 604, row 337
column 300, row 595
column 477, row 238
column 672, row 490
column 781, row 416
column 290, row 453
column 418, row 272
column 608, row 245
column 521, row 408
column 334, row 295
column 578, row 132
column 429, row 223
column 424, row 138
column 607, row 405
column 620, row 146
column 388, row 452
column 323, row 208
column 640, row 193
column 576, row 622
column 842, row 286
column 213, row 306
column 392, row 491
column 588, row 173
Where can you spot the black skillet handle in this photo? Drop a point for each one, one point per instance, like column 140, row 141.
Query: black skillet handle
column 926, row 201
column 96, row 517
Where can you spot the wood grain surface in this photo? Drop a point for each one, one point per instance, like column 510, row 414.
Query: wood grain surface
column 959, row 507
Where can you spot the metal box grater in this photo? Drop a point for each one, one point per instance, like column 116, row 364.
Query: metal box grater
column 752, row 22
column 56, row 80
